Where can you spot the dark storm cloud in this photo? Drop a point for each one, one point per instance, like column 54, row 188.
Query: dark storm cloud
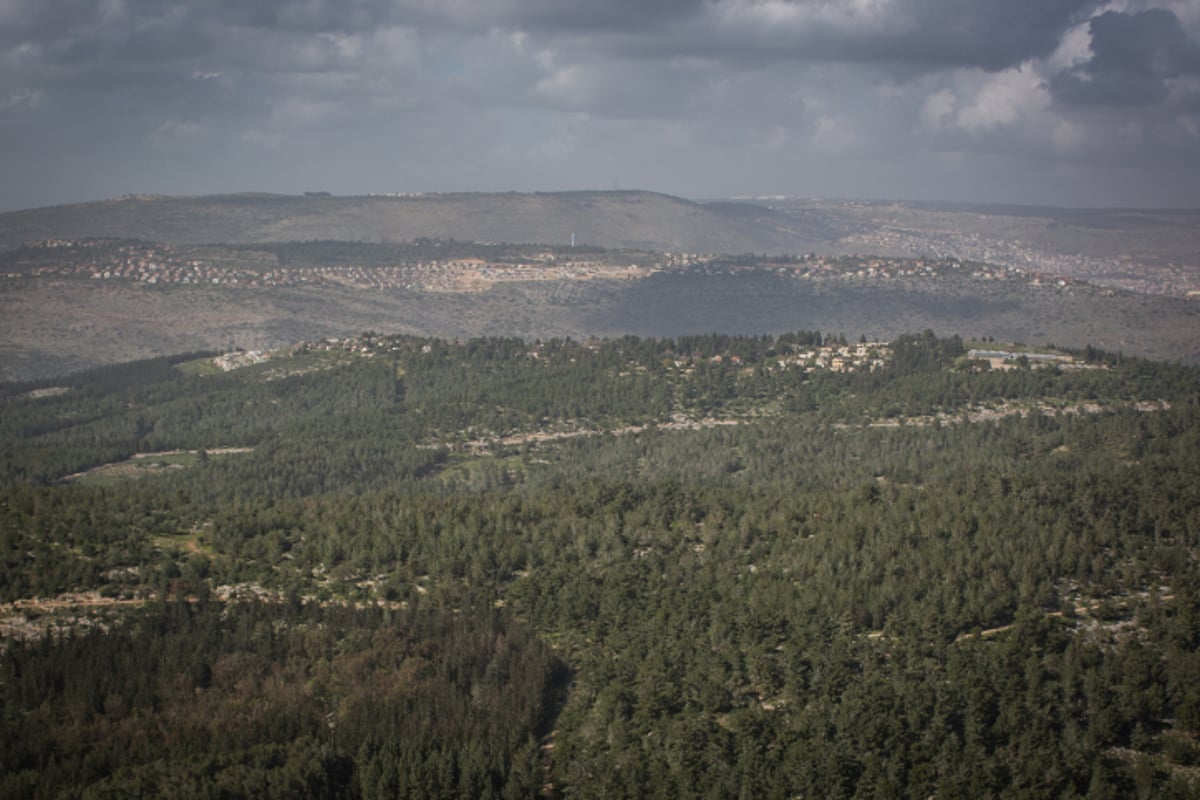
column 308, row 16
column 1134, row 56
column 909, row 36
column 583, row 16
column 159, row 42
column 31, row 19
column 1149, row 43
column 920, row 32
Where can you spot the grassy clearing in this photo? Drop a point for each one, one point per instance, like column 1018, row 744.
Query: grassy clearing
column 111, row 474
column 198, row 367
column 482, row 471
column 283, row 366
column 144, row 464
column 191, row 542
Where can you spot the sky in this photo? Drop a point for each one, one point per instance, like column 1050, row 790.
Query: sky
column 1050, row 102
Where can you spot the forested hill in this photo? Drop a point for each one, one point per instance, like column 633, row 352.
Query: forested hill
column 701, row 566
column 617, row 219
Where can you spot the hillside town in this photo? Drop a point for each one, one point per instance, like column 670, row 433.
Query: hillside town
column 832, row 356
column 164, row 264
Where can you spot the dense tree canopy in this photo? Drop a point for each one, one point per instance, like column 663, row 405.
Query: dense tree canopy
column 697, row 567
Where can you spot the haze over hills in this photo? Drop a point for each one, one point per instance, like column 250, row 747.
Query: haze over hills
column 1147, row 250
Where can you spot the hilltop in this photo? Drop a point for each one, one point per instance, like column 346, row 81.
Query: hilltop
column 616, row 219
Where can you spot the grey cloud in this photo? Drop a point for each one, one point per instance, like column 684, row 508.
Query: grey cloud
column 23, row 20
column 1133, row 58
column 161, row 43
column 1148, row 43
column 616, row 15
column 80, row 52
column 907, row 37
column 307, row 16
column 94, row 45
column 740, row 94
column 991, row 35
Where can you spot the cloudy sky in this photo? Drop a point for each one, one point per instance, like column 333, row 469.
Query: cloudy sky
column 1066, row 102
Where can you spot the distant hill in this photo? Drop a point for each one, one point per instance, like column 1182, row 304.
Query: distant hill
column 616, row 219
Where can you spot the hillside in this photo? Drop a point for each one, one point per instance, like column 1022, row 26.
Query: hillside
column 693, row 567
column 607, row 219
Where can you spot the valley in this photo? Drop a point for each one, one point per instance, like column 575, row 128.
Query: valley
column 144, row 276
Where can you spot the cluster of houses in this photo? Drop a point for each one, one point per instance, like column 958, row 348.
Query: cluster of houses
column 866, row 268
column 868, row 356
column 878, row 267
column 865, row 356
